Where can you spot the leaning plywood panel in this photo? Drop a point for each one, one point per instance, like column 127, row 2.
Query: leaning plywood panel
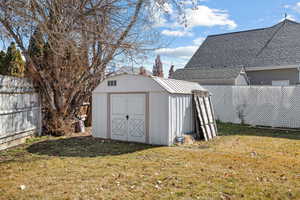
column 213, row 123
column 197, row 122
column 209, row 112
column 205, row 115
column 202, row 131
column 204, row 111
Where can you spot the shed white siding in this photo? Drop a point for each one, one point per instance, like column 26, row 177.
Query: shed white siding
column 168, row 107
column 129, row 83
column 159, row 117
column 181, row 116
column 99, row 113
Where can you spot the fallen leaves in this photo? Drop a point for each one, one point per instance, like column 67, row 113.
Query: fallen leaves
column 253, row 154
column 22, row 187
column 253, row 169
column 225, row 196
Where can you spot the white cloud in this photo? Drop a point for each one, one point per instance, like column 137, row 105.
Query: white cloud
column 295, row 7
column 184, row 52
column 201, row 15
column 198, row 41
column 290, row 17
column 177, row 33
column 205, row 16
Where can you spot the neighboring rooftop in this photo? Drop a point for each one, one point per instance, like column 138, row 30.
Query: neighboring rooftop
column 194, row 74
column 129, row 70
column 278, row 45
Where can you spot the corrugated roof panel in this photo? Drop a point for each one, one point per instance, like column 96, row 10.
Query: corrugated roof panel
column 178, row 86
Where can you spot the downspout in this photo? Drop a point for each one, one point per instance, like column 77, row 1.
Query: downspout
column 298, row 75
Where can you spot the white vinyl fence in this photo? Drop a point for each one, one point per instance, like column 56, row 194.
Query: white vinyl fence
column 20, row 111
column 257, row 105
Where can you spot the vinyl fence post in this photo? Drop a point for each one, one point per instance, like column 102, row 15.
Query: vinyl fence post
column 40, row 117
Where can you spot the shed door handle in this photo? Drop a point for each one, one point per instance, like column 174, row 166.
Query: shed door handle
column 127, row 117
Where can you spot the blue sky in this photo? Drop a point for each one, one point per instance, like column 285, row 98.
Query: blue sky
column 215, row 17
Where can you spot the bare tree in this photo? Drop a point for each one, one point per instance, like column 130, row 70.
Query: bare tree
column 69, row 43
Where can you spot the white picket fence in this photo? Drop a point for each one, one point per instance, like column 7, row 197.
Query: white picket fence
column 257, row 105
column 20, row 110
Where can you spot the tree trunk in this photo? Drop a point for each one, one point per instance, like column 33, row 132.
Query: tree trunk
column 65, row 55
column 56, row 124
column 88, row 121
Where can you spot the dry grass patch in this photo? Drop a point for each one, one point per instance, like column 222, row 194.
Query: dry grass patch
column 243, row 163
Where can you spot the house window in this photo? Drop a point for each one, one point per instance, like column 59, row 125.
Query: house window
column 112, row 83
column 281, row 83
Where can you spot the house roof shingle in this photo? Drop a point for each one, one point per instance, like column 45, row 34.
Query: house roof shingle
column 278, row 45
column 207, row 73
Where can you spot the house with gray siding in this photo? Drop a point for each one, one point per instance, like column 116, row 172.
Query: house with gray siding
column 267, row 56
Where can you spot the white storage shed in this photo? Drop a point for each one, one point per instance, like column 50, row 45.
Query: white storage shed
column 143, row 109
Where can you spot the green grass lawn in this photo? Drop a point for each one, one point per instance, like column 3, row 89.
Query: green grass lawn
column 243, row 163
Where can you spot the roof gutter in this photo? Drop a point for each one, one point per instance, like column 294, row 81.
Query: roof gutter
column 249, row 69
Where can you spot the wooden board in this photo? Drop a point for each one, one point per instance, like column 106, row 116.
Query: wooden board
column 213, row 120
column 199, row 134
column 202, row 127
column 204, row 116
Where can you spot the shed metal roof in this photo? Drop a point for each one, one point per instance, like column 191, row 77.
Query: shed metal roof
column 177, row 86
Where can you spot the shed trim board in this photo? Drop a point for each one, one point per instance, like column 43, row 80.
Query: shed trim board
column 108, row 116
column 147, row 118
column 146, row 114
column 138, row 92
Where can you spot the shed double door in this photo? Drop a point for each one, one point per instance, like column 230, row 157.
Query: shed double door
column 128, row 117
